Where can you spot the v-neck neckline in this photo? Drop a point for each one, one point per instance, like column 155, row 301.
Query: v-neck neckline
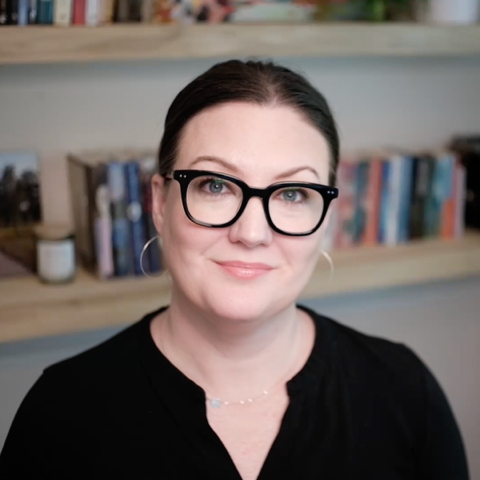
column 179, row 393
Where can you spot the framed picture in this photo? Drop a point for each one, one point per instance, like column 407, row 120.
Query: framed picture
column 20, row 209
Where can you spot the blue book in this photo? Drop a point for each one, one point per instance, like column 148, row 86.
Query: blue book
column 405, row 196
column 360, row 202
column 122, row 256
column 434, row 201
column 23, row 11
column 384, row 202
column 135, row 215
column 45, row 12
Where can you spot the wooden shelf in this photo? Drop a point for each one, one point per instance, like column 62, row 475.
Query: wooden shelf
column 44, row 44
column 29, row 309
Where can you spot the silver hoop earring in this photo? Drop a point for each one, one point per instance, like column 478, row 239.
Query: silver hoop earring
column 330, row 262
column 156, row 237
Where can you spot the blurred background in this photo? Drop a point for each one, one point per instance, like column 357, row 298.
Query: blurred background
column 84, row 90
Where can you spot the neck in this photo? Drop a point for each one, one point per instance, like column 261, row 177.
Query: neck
column 232, row 359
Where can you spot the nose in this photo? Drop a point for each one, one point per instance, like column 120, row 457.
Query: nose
column 252, row 228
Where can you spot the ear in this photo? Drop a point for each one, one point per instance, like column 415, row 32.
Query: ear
column 159, row 197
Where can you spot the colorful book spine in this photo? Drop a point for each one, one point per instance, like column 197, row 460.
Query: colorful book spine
column 384, row 201
column 120, row 229
column 13, row 6
column 426, row 165
column 23, row 7
column 122, row 11
column 93, row 13
column 434, row 201
column 394, row 193
column 360, row 200
column 147, row 11
column 108, row 11
column 45, row 12
column 102, row 222
column 78, row 16
column 460, row 198
column 135, row 10
column 373, row 202
column 346, row 204
column 3, row 12
column 447, row 221
column 135, row 212
column 32, row 12
column 62, row 12
column 403, row 233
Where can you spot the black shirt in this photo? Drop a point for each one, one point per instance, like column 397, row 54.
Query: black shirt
column 360, row 408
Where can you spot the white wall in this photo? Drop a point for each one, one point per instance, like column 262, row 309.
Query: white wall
column 408, row 102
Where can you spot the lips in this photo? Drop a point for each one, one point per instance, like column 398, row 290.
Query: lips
column 245, row 270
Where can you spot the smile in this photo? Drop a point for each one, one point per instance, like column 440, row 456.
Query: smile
column 244, row 270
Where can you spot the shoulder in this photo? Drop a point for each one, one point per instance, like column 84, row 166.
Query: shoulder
column 386, row 366
column 95, row 374
column 373, row 349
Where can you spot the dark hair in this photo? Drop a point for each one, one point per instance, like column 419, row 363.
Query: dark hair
column 262, row 83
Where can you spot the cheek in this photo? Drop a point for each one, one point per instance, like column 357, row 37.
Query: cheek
column 184, row 241
column 303, row 252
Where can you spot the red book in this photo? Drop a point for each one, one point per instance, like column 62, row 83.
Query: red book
column 79, row 12
column 373, row 199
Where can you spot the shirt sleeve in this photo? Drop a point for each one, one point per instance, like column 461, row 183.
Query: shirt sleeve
column 443, row 454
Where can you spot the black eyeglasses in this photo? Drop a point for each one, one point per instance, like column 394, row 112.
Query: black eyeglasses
column 217, row 200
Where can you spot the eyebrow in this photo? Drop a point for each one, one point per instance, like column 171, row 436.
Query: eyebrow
column 234, row 169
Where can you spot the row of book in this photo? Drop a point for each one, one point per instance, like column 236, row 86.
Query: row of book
column 384, row 198
column 102, row 12
column 111, row 200
column 393, row 197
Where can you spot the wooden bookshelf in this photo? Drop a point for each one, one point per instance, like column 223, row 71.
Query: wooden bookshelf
column 49, row 44
column 29, row 309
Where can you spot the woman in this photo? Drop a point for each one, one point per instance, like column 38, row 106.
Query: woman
column 234, row 380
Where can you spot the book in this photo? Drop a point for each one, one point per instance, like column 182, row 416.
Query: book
column 135, row 213
column 32, row 11
column 45, row 12
column 13, row 7
column 23, row 12
column 93, row 13
column 447, row 220
column 102, row 221
column 373, row 201
column 361, row 210
column 152, row 260
column 122, row 254
column 419, row 208
column 78, row 15
column 346, row 204
column 62, row 15
column 4, row 12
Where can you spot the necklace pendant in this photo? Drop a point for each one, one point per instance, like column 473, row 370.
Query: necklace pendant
column 215, row 403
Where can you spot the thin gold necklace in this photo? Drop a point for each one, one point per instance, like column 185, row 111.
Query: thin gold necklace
column 217, row 402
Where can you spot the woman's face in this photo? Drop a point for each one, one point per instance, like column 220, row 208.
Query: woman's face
column 245, row 271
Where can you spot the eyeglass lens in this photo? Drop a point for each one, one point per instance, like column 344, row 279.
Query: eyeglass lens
column 216, row 201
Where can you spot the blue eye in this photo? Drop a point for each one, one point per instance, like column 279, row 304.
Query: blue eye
column 215, row 186
column 293, row 195
column 290, row 195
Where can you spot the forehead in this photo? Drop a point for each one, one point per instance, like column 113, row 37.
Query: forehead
column 261, row 141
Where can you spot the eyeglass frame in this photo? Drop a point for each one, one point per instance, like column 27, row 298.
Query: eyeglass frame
column 184, row 177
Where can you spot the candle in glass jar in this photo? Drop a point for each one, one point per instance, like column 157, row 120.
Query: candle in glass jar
column 56, row 261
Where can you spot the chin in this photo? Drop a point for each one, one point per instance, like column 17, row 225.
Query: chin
column 246, row 303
